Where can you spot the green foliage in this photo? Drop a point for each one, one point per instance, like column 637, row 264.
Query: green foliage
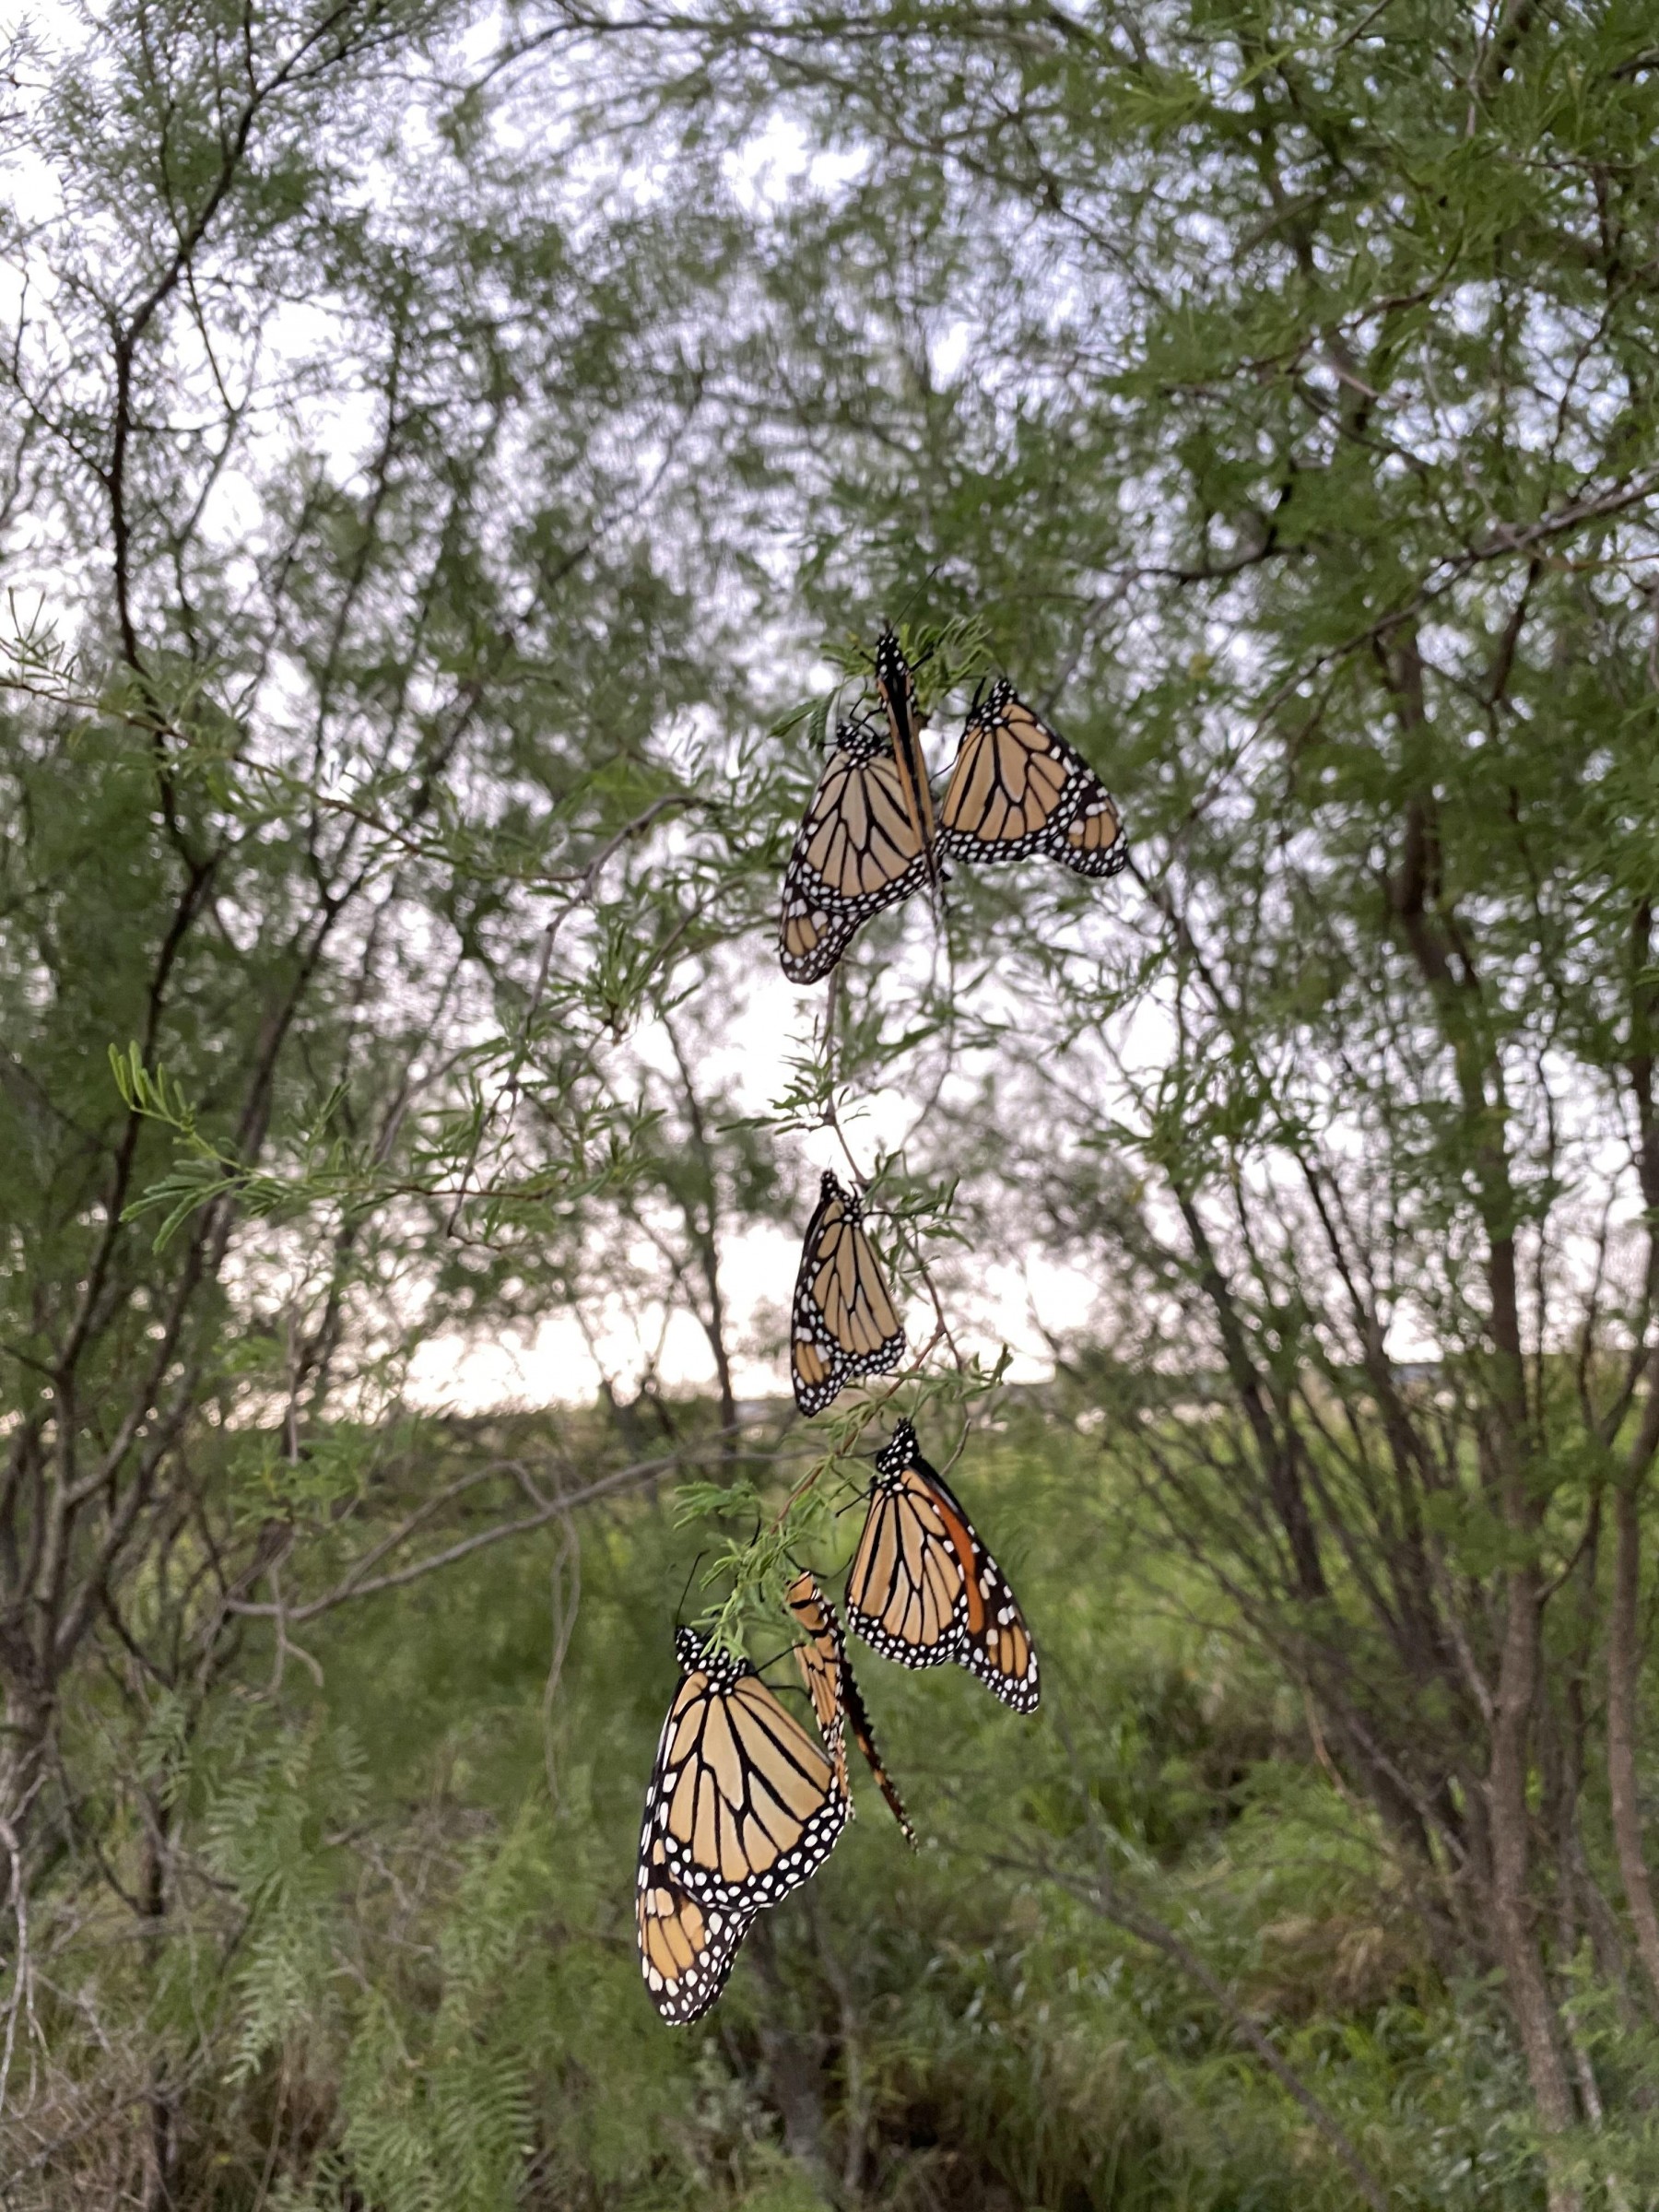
column 442, row 460
column 409, row 1980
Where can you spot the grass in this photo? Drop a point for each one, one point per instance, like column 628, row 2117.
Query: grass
column 399, row 1970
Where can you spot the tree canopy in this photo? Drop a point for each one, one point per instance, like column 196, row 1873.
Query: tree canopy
column 454, row 467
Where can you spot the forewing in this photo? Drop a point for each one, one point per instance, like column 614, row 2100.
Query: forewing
column 815, row 1358
column 1019, row 788
column 843, row 1324
column 856, row 852
column 906, row 1594
column 745, row 1802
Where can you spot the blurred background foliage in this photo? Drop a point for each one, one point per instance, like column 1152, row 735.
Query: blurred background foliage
column 401, row 1969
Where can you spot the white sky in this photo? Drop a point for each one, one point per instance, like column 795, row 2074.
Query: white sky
column 553, row 1364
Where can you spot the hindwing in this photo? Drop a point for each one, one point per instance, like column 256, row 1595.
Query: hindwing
column 686, row 1948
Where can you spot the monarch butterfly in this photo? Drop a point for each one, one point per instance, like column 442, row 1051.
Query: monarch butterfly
column 743, row 1801
column 741, row 1808
column 843, row 1326
column 835, row 1694
column 1019, row 788
column 923, row 1589
column 896, row 687
column 861, row 847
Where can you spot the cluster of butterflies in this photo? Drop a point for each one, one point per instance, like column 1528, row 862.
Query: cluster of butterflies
column 872, row 835
column 744, row 1805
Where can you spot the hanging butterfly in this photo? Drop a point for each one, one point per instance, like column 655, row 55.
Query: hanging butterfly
column 741, row 1808
column 923, row 1589
column 859, row 849
column 836, row 1698
column 1019, row 788
column 744, row 1802
column 843, row 1326
column 896, row 687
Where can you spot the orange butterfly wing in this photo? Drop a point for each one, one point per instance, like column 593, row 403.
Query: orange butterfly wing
column 842, row 1324
column 836, row 1698
column 857, row 850
column 923, row 1588
column 1019, row 788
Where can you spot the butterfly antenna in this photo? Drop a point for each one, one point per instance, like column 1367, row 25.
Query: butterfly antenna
column 916, row 591
column 680, row 1609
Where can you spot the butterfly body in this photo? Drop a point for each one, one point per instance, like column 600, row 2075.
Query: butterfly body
column 923, row 1589
column 843, row 1323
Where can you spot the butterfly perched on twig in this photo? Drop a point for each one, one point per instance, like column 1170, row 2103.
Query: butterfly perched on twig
column 922, row 1588
column 872, row 836
column 742, row 1807
column 836, row 1699
column 842, row 1324
column 858, row 850
column 1019, row 788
